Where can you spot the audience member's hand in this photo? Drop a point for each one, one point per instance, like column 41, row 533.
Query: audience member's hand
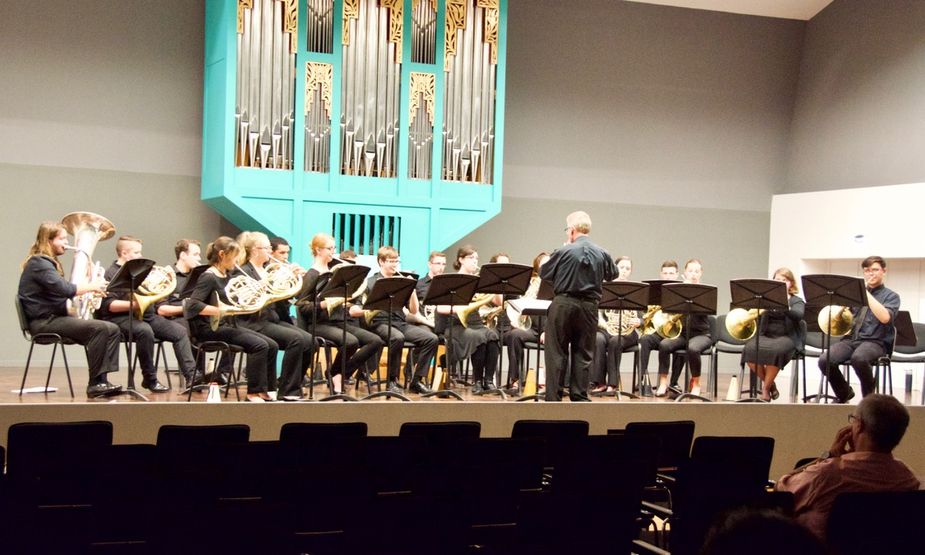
column 842, row 443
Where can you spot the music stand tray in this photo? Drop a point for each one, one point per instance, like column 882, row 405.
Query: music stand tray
column 759, row 294
column 452, row 290
column 387, row 294
column 689, row 299
column 822, row 290
column 344, row 279
column 127, row 279
column 620, row 296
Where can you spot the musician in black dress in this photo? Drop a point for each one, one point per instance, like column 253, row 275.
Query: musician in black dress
column 115, row 308
column 780, row 338
column 609, row 344
column 362, row 345
column 297, row 344
column 577, row 271
column 699, row 325
column 261, row 351
column 424, row 340
column 44, row 293
column 475, row 340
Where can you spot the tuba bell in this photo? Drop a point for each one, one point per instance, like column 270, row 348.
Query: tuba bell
column 835, row 320
column 160, row 282
column 88, row 229
column 742, row 324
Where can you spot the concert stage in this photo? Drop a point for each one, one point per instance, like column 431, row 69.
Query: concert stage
column 800, row 430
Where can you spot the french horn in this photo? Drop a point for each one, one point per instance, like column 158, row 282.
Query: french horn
column 742, row 324
column 835, row 320
column 160, row 282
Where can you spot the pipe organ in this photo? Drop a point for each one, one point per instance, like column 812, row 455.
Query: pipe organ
column 377, row 108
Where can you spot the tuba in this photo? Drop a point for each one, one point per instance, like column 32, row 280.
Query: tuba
column 835, row 318
column 88, row 229
column 742, row 324
column 160, row 282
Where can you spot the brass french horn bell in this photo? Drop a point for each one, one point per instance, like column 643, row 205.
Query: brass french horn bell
column 835, row 320
column 742, row 324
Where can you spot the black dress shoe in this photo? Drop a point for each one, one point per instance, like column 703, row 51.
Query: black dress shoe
column 154, row 386
column 419, row 387
column 849, row 395
column 394, row 388
column 102, row 390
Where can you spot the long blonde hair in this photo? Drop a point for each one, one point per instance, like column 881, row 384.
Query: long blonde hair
column 42, row 246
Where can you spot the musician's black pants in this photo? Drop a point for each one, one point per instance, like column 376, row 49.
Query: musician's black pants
column 697, row 345
column 861, row 354
column 298, row 347
column 101, row 339
column 571, row 324
column 515, row 339
column 608, row 354
column 361, row 345
column 157, row 327
column 424, row 341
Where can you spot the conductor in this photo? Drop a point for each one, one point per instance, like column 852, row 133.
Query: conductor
column 576, row 271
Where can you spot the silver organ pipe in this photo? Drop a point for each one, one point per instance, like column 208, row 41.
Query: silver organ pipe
column 264, row 106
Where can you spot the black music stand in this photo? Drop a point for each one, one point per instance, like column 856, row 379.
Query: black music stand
column 823, row 290
column 620, row 296
column 313, row 294
column 127, row 279
column 757, row 294
column 545, row 293
column 502, row 279
column 388, row 293
column 689, row 299
column 344, row 280
column 452, row 290
column 644, row 385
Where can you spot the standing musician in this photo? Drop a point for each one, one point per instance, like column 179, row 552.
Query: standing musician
column 279, row 251
column 780, row 338
column 424, row 340
column 261, row 351
column 515, row 337
column 151, row 326
column 699, row 340
column 362, row 345
column 475, row 340
column 297, row 344
column 577, row 271
column 612, row 340
column 43, row 294
column 871, row 338
column 651, row 341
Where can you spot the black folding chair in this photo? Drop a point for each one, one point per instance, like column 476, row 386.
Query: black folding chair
column 42, row 339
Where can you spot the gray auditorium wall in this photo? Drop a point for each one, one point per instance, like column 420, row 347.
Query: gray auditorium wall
column 670, row 126
column 859, row 106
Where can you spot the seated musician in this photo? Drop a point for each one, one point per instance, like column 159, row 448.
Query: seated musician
column 115, row 308
column 261, row 351
column 297, row 344
column 361, row 344
column 475, row 340
column 699, row 340
column 650, row 341
column 614, row 335
column 279, row 251
column 436, row 265
column 515, row 334
column 44, row 293
column 780, row 337
column 189, row 255
column 424, row 340
column 872, row 335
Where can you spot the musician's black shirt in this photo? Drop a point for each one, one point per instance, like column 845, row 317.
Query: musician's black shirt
column 578, row 269
column 44, row 292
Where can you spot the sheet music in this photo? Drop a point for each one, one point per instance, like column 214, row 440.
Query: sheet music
column 534, row 306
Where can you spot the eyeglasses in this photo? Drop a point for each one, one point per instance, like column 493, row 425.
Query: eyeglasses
column 393, row 260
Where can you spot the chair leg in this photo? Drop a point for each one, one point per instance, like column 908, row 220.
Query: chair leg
column 29, row 361
column 54, row 352
column 67, row 370
column 160, row 355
